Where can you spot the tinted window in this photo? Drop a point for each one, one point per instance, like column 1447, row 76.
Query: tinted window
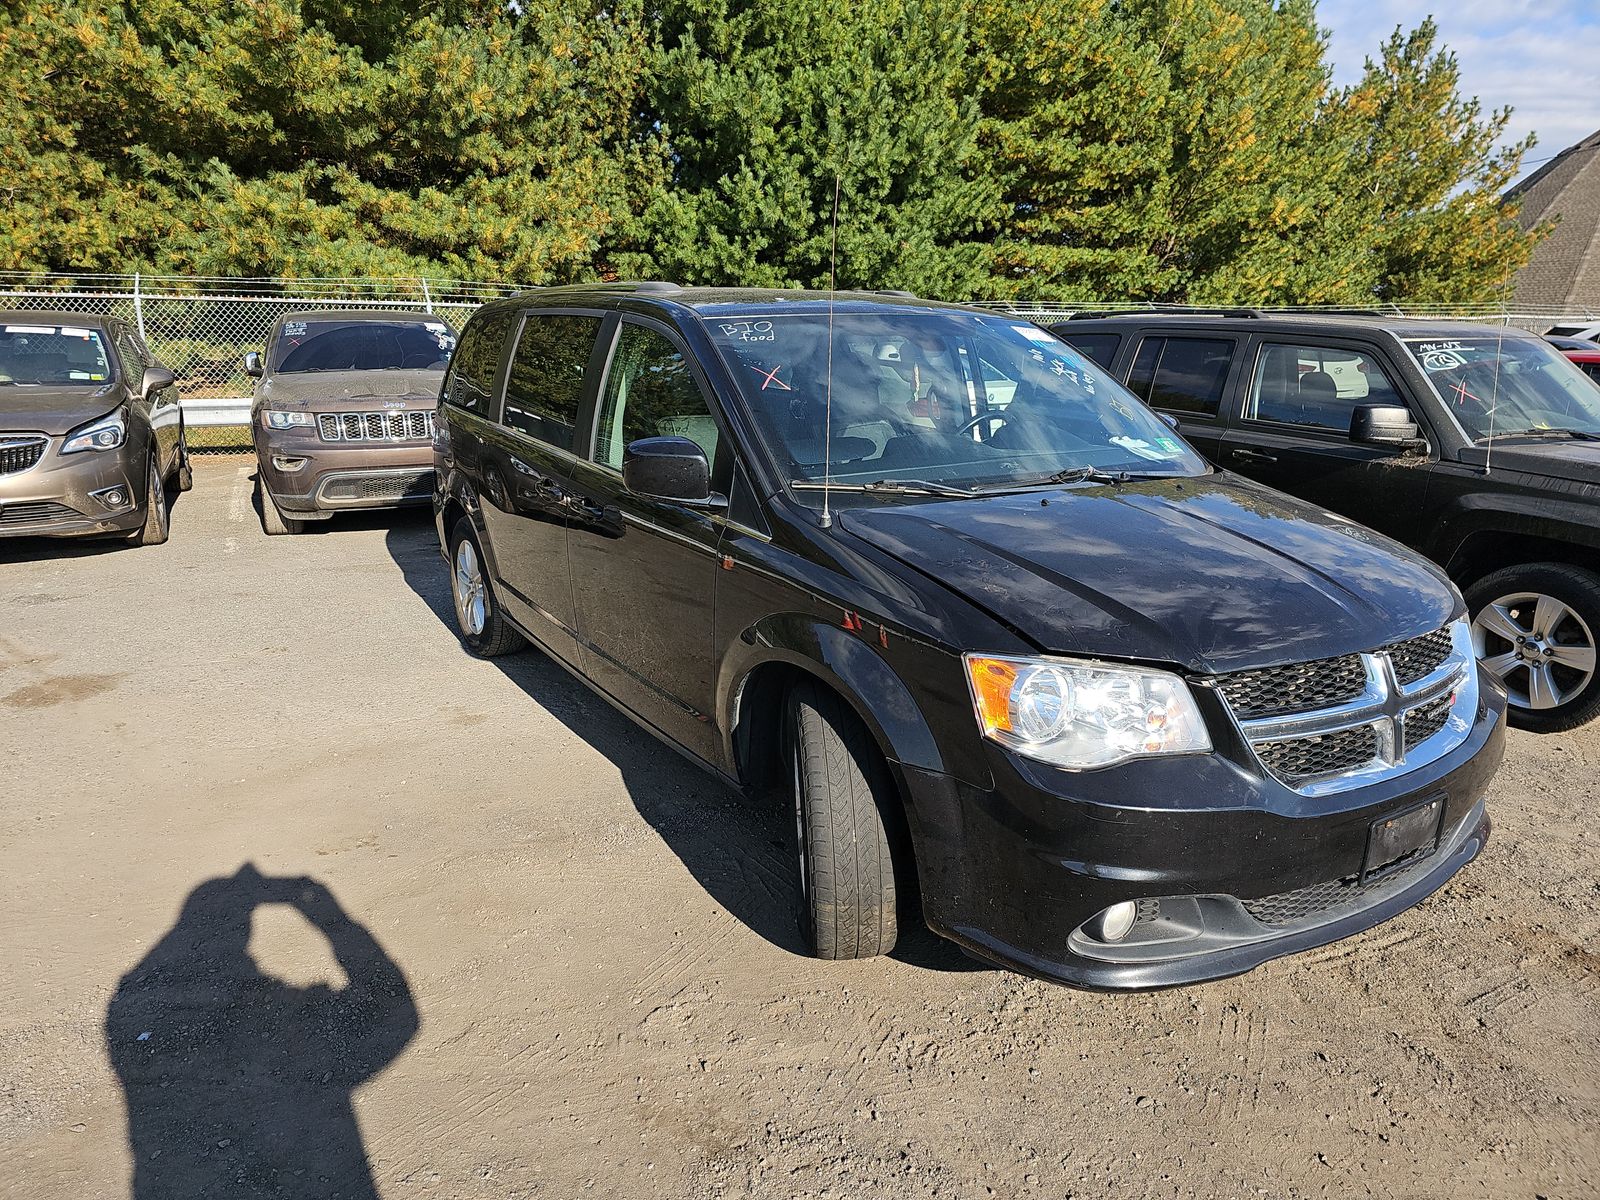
column 1101, row 347
column 650, row 392
column 133, row 358
column 335, row 345
column 1592, row 370
column 477, row 360
column 545, row 385
column 1317, row 386
column 1182, row 374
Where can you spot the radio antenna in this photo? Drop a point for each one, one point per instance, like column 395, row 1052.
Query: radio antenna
column 827, row 411
column 1494, row 399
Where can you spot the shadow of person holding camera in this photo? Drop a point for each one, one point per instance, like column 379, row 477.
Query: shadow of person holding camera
column 237, row 1083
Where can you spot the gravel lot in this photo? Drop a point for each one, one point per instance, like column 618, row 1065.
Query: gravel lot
column 562, row 962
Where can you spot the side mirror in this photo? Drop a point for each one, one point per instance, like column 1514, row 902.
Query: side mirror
column 1170, row 419
column 156, row 379
column 252, row 364
column 667, row 468
column 1386, row 425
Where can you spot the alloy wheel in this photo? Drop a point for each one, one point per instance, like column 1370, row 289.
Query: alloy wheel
column 1540, row 647
column 471, row 596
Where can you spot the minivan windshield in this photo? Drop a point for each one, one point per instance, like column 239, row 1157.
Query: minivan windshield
column 335, row 345
column 936, row 400
column 54, row 355
column 1509, row 386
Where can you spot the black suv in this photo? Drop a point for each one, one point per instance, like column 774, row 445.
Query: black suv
column 1005, row 642
column 1477, row 445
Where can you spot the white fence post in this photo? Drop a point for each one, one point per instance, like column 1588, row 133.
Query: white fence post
column 427, row 297
column 138, row 306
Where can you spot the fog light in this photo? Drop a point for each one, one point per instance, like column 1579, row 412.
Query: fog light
column 289, row 465
column 1112, row 924
column 112, row 497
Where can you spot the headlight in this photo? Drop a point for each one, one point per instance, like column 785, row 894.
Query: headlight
column 1081, row 715
column 288, row 420
column 105, row 434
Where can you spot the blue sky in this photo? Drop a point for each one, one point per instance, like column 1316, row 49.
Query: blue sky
column 1541, row 59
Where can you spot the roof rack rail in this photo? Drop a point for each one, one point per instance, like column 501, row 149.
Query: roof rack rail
column 657, row 287
column 1176, row 311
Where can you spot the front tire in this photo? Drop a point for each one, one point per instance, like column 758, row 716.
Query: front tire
column 483, row 627
column 156, row 527
column 184, row 476
column 272, row 519
column 1536, row 626
column 841, row 791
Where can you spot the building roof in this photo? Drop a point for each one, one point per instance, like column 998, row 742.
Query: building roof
column 1565, row 267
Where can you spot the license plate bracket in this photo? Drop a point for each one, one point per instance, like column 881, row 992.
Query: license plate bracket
column 1396, row 839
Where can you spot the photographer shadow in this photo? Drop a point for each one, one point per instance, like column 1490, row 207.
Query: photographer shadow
column 237, row 1083
column 738, row 848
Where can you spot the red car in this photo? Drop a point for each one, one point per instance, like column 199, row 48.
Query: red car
column 1585, row 353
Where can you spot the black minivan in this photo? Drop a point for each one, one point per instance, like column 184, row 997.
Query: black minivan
column 1004, row 640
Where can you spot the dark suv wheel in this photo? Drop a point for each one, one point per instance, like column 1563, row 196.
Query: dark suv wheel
column 1535, row 625
column 483, row 627
column 841, row 786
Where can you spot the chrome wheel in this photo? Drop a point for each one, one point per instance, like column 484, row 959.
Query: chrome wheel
column 1540, row 647
column 471, row 596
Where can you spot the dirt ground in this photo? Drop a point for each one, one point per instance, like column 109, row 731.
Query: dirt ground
column 301, row 900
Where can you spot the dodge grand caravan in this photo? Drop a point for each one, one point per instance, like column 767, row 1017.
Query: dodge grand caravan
column 1003, row 640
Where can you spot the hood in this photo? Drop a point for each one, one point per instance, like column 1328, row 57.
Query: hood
column 39, row 408
column 333, row 390
column 1574, row 459
column 1212, row 574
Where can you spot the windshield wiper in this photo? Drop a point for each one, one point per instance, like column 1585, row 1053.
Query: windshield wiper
column 896, row 487
column 1075, row 475
column 1581, row 434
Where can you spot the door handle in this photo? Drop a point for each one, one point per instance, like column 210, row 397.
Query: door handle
column 1253, row 455
column 585, row 508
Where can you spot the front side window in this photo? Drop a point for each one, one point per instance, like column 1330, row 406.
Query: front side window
column 650, row 392
column 344, row 345
column 1315, row 386
column 53, row 355
column 951, row 398
column 1182, row 374
column 1504, row 386
column 544, row 388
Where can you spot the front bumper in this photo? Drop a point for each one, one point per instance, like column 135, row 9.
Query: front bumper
column 310, row 479
column 1012, row 873
column 71, row 495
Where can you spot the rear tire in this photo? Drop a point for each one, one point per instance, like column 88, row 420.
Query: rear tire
column 483, row 627
column 1552, row 674
column 841, row 790
column 155, row 528
column 272, row 519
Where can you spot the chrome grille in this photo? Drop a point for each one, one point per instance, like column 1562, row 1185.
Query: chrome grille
column 1420, row 656
column 1318, row 728
column 1426, row 720
column 20, row 453
column 1296, row 687
column 376, row 426
column 1322, row 754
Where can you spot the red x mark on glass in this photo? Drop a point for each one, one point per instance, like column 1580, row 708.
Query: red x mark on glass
column 771, row 377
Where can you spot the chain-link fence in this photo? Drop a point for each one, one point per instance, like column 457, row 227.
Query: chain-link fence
column 201, row 327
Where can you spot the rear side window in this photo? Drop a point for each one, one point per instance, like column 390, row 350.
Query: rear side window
column 476, row 361
column 650, row 392
column 544, row 388
column 1101, row 347
column 1181, row 374
column 1316, row 386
